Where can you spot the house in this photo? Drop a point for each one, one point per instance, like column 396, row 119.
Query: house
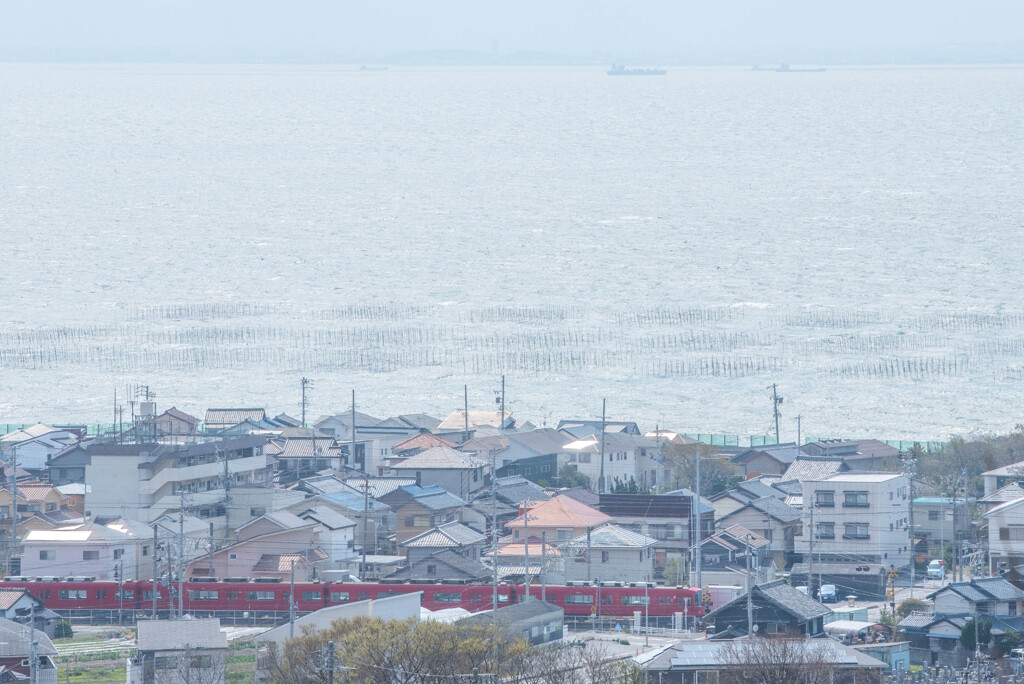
column 515, row 489
column 412, row 421
column 424, row 508
column 337, row 536
column 939, row 519
column 701, row 661
column 418, row 443
column 68, row 464
column 582, row 427
column 724, row 557
column 536, row 557
column 33, row 446
column 857, row 454
column 176, row 426
column 768, row 459
column 223, row 418
column 668, row 518
column 369, row 515
column 270, row 555
column 774, row 520
column 459, row 473
column 19, row 605
column 451, row 536
column 561, row 518
column 73, row 498
column 1005, row 535
column 303, row 455
column 778, row 609
column 609, row 554
column 1000, row 477
column 173, row 651
column 535, row 455
column 444, row 565
column 813, row 468
column 858, row 517
column 89, row 549
column 935, row 639
column 741, row 494
column 626, row 457
column 1005, row 494
column 366, row 441
column 993, row 596
column 458, row 419
column 34, row 498
column 534, row 621
column 15, row 657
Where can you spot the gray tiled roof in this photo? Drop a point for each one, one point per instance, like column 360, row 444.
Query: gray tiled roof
column 918, row 621
column 469, row 568
column 515, row 489
column 795, row 601
column 757, row 490
column 998, row 588
column 440, row 458
column 810, row 468
column 452, row 534
column 327, row 516
column 614, row 537
column 776, row 509
column 513, row 613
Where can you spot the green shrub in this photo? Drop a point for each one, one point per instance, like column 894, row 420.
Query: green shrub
column 63, row 631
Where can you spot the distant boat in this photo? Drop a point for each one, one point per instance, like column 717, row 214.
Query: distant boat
column 786, row 69
column 372, row 68
column 620, row 70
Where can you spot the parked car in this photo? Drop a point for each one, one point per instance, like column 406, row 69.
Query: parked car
column 802, row 589
column 828, row 593
column 937, row 569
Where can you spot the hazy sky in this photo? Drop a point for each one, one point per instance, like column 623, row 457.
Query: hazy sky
column 570, row 26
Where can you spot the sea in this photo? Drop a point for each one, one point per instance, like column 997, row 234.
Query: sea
column 674, row 246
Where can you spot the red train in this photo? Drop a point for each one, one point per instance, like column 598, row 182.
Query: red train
column 78, row 596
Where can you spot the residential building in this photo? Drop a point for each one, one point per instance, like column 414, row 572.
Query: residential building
column 174, row 651
column 582, row 427
column 416, row 444
column 19, row 605
column 515, row 489
column 1011, row 491
column 940, row 519
column 561, row 518
column 993, row 596
column 176, row 426
column 609, row 553
column 17, row 649
column 535, row 455
column 337, row 536
column 370, row 515
column 457, row 420
column 444, row 565
column 724, row 557
column 813, row 468
column 68, row 464
column 33, row 446
column 224, row 418
column 741, row 494
column 424, row 508
column 459, row 473
column 86, row 550
column 858, row 517
column 778, row 609
column 769, row 459
column 373, row 439
column 857, row 454
column 303, row 454
column 451, row 536
column 536, row 622
column 1000, row 477
column 270, row 555
column 774, row 520
column 626, row 457
column 1005, row 535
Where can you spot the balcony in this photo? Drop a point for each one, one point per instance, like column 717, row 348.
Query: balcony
column 856, row 504
column 856, row 536
column 825, row 535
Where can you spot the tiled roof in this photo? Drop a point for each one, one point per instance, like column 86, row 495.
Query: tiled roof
column 306, row 447
column 35, row 492
column 354, row 502
column 440, row 457
column 737, row 535
column 518, row 550
column 282, row 562
column 379, row 486
column 233, row 416
column 173, row 635
column 327, row 516
column 514, row 490
column 614, row 537
column 542, row 441
column 757, row 490
column 581, row 494
column 181, row 415
column 1003, row 507
column 456, row 420
column 424, row 440
column 776, row 509
column 1011, row 492
column 452, row 534
column 813, row 468
column 562, row 511
column 8, row 597
column 783, row 453
column 466, row 566
column 998, row 588
column 794, row 601
column 325, row 484
column 439, row 501
column 918, row 620
column 16, row 642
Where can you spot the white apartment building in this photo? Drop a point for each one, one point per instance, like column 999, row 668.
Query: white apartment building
column 857, row 517
column 625, row 456
column 145, row 481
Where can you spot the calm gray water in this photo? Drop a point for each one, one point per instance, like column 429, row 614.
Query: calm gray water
column 674, row 244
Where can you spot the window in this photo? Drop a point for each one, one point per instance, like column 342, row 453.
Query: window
column 824, row 499
column 259, row 595
column 202, row 595
column 431, row 569
column 118, row 553
column 584, row 458
column 856, row 531
column 127, row 595
column 145, row 550
column 312, row 596
column 166, row 662
column 933, row 515
column 635, row 600
column 200, row 662
column 442, row 597
column 90, row 555
column 578, row 599
column 51, row 507
column 47, row 555
column 824, row 530
column 257, row 512
column 604, row 556
column 339, row 597
column 606, row 600
column 855, row 500
column 232, row 556
column 72, row 594
column 502, row 598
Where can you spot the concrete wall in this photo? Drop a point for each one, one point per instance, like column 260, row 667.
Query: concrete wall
column 622, row 565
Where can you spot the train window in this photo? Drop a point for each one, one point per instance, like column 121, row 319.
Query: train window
column 72, row 594
column 364, row 595
column 607, row 600
column 148, row 595
column 47, row 593
column 447, row 597
column 502, row 598
column 339, row 596
column 312, row 596
column 127, row 594
column 202, row 595
column 578, row 599
column 635, row 600
column 259, row 595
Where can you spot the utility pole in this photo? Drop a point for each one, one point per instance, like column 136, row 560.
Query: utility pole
column 776, row 400
column 697, row 506
column 911, row 463
column 14, row 506
column 306, row 382
column 526, row 544
column 600, row 479
column 465, row 413
column 543, row 565
column 120, row 593
column 366, row 520
column 750, row 600
column 494, row 509
column 330, row 662
column 156, row 567
column 33, row 662
column 291, row 605
column 797, row 432
column 227, row 504
column 810, row 552
column 353, row 431
column 181, row 557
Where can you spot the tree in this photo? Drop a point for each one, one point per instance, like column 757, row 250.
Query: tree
column 909, row 606
column 967, row 634
column 569, row 476
column 63, row 630
column 777, row 660
column 675, row 572
column 628, row 487
column 716, row 473
column 199, row 666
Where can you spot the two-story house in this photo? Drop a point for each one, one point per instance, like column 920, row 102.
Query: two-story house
column 33, row 446
column 1005, row 535
column 418, row 509
column 624, row 456
column 560, row 519
column 451, row 536
column 857, row 517
column 454, row 471
column 771, row 518
column 609, row 554
column 993, row 596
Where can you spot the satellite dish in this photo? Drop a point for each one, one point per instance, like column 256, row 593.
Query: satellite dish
column 755, row 629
